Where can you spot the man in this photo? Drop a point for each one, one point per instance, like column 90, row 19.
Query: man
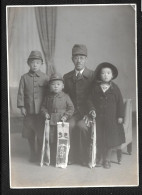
column 78, row 85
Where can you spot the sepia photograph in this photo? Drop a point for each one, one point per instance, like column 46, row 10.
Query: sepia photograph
column 72, row 95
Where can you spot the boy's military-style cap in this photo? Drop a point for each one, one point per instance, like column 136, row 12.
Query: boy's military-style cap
column 79, row 49
column 106, row 65
column 35, row 55
column 55, row 77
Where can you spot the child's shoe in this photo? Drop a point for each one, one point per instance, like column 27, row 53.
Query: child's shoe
column 107, row 165
column 98, row 164
column 46, row 163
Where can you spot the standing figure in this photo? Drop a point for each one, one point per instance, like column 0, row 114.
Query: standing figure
column 57, row 107
column 78, row 85
column 106, row 104
column 31, row 94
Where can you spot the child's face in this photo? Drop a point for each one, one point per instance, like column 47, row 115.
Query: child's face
column 56, row 86
column 35, row 64
column 106, row 74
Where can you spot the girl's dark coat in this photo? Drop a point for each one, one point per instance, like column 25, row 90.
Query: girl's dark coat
column 109, row 107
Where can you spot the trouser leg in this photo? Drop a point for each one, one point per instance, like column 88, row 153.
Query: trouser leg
column 73, row 152
column 53, row 144
column 39, row 123
column 84, row 140
column 107, row 154
column 31, row 141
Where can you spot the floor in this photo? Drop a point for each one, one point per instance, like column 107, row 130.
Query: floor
column 29, row 175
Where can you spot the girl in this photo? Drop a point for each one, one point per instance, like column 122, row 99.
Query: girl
column 106, row 104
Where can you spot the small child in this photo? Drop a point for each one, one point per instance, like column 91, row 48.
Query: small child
column 106, row 104
column 31, row 93
column 56, row 107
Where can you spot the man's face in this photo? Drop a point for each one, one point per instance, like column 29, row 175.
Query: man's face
column 35, row 64
column 79, row 61
column 56, row 86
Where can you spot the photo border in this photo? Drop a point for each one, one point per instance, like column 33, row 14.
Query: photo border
column 4, row 133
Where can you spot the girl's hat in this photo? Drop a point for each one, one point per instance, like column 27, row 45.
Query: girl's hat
column 55, row 77
column 106, row 65
column 35, row 55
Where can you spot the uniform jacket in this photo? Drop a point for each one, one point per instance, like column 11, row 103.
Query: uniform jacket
column 32, row 89
column 78, row 90
column 57, row 105
column 109, row 107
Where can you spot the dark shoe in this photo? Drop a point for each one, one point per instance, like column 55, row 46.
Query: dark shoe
column 107, row 164
column 98, row 164
column 46, row 163
column 84, row 164
column 70, row 162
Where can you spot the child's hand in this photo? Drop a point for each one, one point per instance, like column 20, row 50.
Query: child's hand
column 120, row 120
column 93, row 113
column 23, row 111
column 47, row 116
column 64, row 118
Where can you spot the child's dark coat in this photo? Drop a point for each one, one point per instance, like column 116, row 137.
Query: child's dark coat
column 109, row 107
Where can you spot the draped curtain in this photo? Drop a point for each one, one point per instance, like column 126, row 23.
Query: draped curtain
column 11, row 18
column 46, row 24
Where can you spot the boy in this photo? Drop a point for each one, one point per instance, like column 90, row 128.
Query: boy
column 31, row 92
column 58, row 107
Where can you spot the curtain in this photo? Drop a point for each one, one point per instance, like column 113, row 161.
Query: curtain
column 46, row 24
column 11, row 13
column 23, row 37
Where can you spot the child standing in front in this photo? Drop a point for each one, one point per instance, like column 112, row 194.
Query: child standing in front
column 31, row 93
column 56, row 107
column 106, row 104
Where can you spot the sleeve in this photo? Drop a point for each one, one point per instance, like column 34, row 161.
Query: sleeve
column 120, row 104
column 44, row 109
column 90, row 103
column 70, row 107
column 65, row 84
column 20, row 96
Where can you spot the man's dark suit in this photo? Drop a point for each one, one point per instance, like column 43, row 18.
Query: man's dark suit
column 78, row 90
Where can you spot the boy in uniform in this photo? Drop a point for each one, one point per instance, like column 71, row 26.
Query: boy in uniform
column 57, row 107
column 31, row 93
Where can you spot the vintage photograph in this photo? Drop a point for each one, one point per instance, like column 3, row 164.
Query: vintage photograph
column 72, row 95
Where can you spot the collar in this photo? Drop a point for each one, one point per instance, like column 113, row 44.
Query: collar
column 103, row 83
column 81, row 71
column 60, row 94
column 86, row 73
column 72, row 74
column 98, row 85
column 38, row 73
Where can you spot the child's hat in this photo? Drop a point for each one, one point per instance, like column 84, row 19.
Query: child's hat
column 106, row 65
column 55, row 77
column 79, row 49
column 35, row 55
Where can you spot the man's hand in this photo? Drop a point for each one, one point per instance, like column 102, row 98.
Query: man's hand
column 23, row 111
column 93, row 113
column 47, row 116
column 120, row 120
column 86, row 120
